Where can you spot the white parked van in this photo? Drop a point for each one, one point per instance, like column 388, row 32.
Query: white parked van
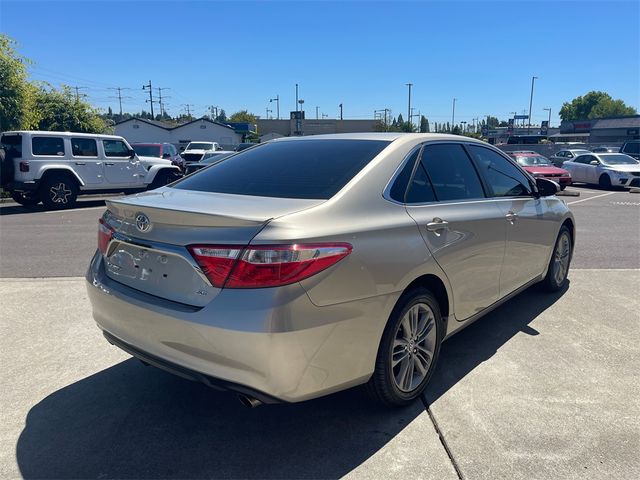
column 56, row 167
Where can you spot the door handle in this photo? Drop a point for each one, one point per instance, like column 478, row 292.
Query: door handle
column 511, row 217
column 80, row 163
column 437, row 224
column 109, row 163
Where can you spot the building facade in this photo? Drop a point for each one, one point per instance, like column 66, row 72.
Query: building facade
column 287, row 128
column 138, row 130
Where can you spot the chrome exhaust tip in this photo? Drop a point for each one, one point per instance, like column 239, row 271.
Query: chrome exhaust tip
column 249, row 402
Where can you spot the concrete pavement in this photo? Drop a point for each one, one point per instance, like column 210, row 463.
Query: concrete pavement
column 544, row 387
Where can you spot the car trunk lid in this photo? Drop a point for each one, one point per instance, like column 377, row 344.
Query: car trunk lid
column 152, row 230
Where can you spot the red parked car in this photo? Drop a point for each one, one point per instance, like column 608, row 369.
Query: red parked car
column 540, row 166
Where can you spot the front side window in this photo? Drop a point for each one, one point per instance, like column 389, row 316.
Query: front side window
column 503, row 177
column 451, row 172
column 313, row 169
column 115, row 148
column 84, row 147
column 633, row 147
column 581, row 159
column 47, row 146
column 569, row 155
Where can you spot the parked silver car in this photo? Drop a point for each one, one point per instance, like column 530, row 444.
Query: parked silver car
column 309, row 265
column 567, row 155
column 605, row 169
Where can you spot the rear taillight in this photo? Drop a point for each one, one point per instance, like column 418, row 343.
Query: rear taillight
column 259, row 266
column 24, row 166
column 105, row 232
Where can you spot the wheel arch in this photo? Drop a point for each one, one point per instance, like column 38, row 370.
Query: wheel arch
column 437, row 286
column 158, row 169
column 56, row 170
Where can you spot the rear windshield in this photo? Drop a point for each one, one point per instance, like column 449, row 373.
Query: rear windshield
column 147, row 150
column 314, row 169
column 200, row 146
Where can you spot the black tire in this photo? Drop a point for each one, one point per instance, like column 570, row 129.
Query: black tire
column 604, row 181
column 59, row 191
column 562, row 187
column 26, row 199
column 552, row 282
column 162, row 178
column 382, row 386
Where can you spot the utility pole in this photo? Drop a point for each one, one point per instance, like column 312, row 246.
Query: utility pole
column 77, row 89
column 160, row 98
column 385, row 111
column 414, row 115
column 317, row 112
column 187, row 107
column 119, row 96
column 268, row 111
column 409, row 107
column 150, row 101
column 453, row 114
column 277, row 100
column 340, row 111
column 533, row 79
column 214, row 112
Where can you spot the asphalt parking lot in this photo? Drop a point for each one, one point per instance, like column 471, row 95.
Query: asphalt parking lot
column 543, row 387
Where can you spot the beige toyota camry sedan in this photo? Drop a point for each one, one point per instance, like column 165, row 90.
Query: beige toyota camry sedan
column 309, row 265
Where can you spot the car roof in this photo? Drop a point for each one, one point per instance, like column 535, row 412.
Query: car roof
column 42, row 133
column 383, row 136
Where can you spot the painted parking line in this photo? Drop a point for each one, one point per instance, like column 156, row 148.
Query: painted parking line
column 585, row 190
column 81, row 209
column 591, row 198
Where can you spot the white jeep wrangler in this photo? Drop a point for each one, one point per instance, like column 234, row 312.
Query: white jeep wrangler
column 56, row 167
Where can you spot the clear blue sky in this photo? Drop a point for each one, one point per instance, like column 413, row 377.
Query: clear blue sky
column 239, row 54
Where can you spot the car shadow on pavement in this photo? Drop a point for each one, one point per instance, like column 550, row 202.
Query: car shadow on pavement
column 131, row 421
column 13, row 209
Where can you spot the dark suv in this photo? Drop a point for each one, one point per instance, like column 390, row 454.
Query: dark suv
column 631, row 148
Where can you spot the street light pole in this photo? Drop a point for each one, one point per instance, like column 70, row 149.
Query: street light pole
column 453, row 114
column 549, row 110
column 409, row 108
column 340, row 111
column 317, row 112
column 533, row 79
column 277, row 100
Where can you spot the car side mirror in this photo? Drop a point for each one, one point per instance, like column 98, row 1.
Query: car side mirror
column 132, row 154
column 166, row 155
column 546, row 187
column 594, row 162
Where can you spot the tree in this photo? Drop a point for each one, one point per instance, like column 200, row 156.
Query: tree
column 221, row 117
column 594, row 104
column 424, row 124
column 60, row 110
column 493, row 122
column 428, row 129
column 243, row 116
column 16, row 92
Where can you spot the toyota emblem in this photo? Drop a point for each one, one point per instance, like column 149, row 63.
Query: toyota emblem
column 142, row 222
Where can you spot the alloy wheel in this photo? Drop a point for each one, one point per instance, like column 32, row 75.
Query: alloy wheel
column 561, row 258
column 60, row 193
column 413, row 347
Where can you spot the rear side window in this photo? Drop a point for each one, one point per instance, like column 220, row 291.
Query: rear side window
column 115, row 148
column 399, row 187
column 84, row 147
column 47, row 146
column 504, row 178
column 314, row 169
column 12, row 145
column 421, row 190
column 451, row 172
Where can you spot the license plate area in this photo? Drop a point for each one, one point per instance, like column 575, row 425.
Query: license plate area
column 161, row 273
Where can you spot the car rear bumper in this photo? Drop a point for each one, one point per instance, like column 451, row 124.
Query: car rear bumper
column 271, row 343
column 23, row 186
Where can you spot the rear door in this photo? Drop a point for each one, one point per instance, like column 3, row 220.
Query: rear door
column 119, row 171
column 464, row 230
column 529, row 234
column 87, row 164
